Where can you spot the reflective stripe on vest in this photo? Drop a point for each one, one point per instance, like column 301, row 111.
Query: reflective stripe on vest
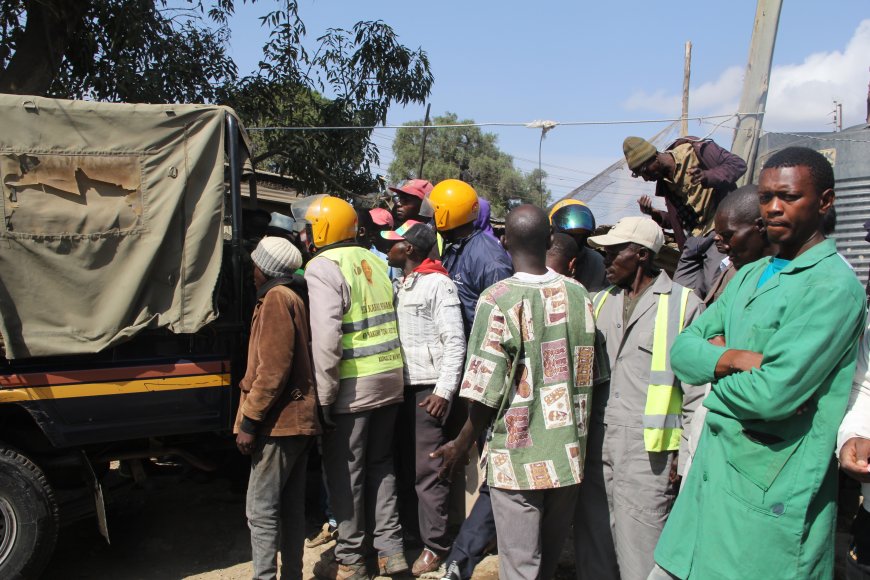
column 663, row 413
column 370, row 337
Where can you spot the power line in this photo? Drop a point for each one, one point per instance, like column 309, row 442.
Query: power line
column 498, row 124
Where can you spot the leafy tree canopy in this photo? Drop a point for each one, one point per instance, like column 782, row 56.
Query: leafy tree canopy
column 465, row 153
column 149, row 51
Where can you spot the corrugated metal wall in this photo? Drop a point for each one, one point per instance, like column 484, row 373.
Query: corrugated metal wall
column 853, row 210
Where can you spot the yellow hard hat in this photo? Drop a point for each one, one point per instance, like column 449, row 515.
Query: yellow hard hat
column 330, row 219
column 452, row 203
column 562, row 203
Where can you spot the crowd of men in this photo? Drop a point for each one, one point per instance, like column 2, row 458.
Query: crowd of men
column 683, row 427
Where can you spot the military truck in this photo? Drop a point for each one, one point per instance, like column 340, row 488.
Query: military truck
column 122, row 301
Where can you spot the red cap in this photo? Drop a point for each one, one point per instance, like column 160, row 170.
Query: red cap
column 381, row 217
column 416, row 187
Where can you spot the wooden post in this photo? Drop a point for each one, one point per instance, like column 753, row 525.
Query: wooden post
column 753, row 101
column 423, row 144
column 687, row 69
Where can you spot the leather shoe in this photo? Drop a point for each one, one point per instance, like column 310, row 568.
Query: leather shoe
column 428, row 561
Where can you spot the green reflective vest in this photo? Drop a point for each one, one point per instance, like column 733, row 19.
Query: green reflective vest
column 370, row 337
column 663, row 413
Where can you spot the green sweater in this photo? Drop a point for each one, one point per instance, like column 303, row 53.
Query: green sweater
column 760, row 498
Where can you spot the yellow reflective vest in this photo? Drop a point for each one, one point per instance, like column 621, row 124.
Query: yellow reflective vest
column 370, row 337
column 663, row 413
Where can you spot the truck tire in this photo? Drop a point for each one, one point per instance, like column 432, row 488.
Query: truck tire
column 28, row 517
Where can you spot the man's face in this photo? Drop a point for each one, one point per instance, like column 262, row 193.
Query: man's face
column 651, row 170
column 742, row 242
column 790, row 207
column 397, row 254
column 621, row 263
column 407, row 207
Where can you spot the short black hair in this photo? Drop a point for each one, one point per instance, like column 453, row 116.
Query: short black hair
column 742, row 204
column 530, row 224
column 821, row 171
column 564, row 245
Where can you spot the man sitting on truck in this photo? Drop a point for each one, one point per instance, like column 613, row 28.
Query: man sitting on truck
column 277, row 418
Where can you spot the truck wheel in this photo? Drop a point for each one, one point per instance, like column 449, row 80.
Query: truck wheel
column 28, row 517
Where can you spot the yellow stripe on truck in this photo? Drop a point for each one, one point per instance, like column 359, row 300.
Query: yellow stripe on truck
column 113, row 388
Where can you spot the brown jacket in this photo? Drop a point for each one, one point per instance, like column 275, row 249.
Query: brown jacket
column 278, row 391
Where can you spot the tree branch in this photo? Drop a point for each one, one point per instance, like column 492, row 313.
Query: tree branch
column 40, row 49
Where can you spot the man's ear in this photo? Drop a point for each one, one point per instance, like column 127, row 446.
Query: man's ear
column 759, row 225
column 827, row 201
column 572, row 264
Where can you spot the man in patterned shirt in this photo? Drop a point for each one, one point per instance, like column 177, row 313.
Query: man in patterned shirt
column 530, row 373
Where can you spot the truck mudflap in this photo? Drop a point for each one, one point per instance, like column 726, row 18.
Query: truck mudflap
column 79, row 407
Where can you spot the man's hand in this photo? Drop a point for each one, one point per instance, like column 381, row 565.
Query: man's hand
column 697, row 176
column 645, row 204
column 717, row 341
column 853, row 459
column 452, row 458
column 434, row 405
column 245, row 442
column 674, row 478
column 737, row 361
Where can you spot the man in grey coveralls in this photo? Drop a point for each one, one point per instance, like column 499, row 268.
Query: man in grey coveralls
column 631, row 475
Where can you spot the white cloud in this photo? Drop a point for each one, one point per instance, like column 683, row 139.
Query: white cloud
column 800, row 97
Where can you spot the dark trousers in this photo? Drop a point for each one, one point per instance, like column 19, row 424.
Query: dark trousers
column 858, row 558
column 424, row 496
column 476, row 533
column 360, row 473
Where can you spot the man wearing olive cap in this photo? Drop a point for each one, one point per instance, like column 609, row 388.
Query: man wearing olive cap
column 693, row 176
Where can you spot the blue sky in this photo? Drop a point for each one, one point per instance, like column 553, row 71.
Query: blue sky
column 576, row 61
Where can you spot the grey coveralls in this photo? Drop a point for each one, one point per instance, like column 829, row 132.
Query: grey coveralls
column 626, row 495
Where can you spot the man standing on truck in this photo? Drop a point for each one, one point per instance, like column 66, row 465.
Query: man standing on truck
column 277, row 418
column 358, row 367
column 693, row 176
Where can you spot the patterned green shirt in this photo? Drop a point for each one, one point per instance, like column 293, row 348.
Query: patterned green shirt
column 545, row 323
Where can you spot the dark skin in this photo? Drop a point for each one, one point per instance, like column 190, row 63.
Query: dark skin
column 458, row 233
column 662, row 166
column 245, row 441
column 630, row 267
column 794, row 212
column 527, row 245
column 743, row 242
column 853, row 459
column 407, row 207
column 407, row 257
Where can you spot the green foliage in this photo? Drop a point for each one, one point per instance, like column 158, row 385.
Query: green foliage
column 365, row 70
column 112, row 50
column 149, row 51
column 464, row 153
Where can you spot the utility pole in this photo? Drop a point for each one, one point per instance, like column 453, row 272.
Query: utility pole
column 838, row 116
column 756, row 84
column 687, row 69
column 423, row 144
column 868, row 104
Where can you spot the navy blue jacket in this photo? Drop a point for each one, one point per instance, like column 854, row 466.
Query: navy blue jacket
column 475, row 263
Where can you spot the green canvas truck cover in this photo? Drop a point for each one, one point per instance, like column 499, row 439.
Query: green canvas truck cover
column 112, row 221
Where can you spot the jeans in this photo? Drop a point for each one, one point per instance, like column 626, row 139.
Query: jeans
column 275, row 506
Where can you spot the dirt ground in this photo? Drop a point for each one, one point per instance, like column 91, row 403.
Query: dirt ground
column 176, row 525
column 181, row 524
